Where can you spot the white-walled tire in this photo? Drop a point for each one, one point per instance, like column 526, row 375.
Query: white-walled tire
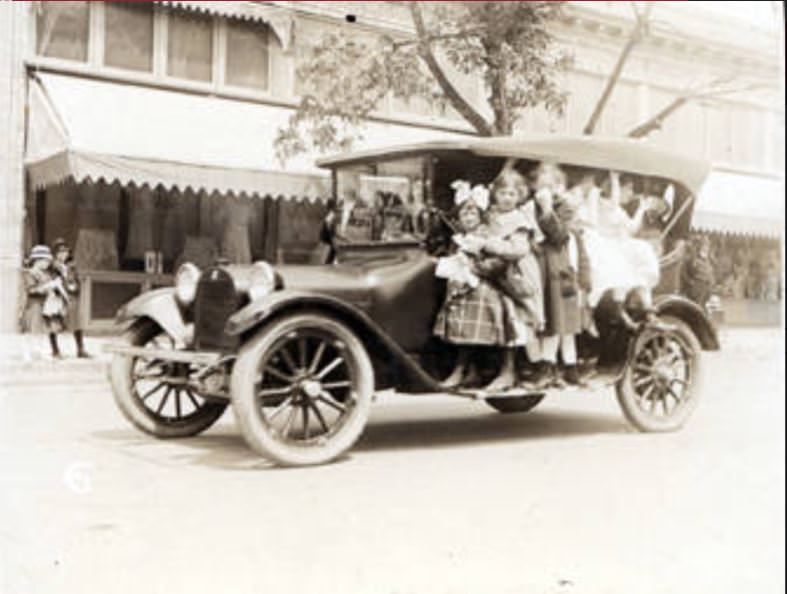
column 302, row 389
column 153, row 406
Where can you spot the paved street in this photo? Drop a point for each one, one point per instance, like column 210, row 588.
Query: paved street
column 440, row 496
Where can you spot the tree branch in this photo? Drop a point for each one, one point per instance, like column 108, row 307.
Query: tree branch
column 711, row 90
column 637, row 34
column 395, row 45
column 451, row 93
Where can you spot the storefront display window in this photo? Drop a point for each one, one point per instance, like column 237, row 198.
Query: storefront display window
column 190, row 47
column 247, row 55
column 129, row 36
column 62, row 29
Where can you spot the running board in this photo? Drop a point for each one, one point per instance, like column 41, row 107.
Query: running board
column 598, row 382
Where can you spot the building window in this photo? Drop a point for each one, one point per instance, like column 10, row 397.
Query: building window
column 62, row 29
column 247, row 55
column 190, row 47
column 129, row 36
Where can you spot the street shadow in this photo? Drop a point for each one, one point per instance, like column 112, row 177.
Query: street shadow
column 222, row 447
column 485, row 429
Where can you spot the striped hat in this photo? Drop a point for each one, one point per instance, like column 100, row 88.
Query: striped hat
column 40, row 252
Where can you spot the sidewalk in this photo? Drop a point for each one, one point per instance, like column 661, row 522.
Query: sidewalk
column 26, row 360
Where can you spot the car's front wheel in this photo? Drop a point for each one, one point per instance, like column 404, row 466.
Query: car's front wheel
column 154, row 394
column 302, row 389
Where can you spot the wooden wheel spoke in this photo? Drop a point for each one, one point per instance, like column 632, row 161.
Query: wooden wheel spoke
column 149, row 376
column 152, row 391
column 646, row 394
column 278, row 374
column 289, row 422
column 674, row 394
column 305, row 416
column 302, row 352
column 279, row 409
column 288, row 359
column 164, row 400
column 326, row 398
column 664, row 405
column 273, row 392
column 317, row 357
column 654, row 400
column 191, row 398
column 177, row 403
column 330, row 367
column 337, row 385
column 643, row 381
column 646, row 369
column 319, row 415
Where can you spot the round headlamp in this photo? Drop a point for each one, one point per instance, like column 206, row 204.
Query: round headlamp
column 262, row 280
column 186, row 279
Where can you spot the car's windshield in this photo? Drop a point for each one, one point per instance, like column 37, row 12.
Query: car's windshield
column 379, row 202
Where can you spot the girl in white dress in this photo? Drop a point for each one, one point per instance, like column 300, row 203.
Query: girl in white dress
column 619, row 263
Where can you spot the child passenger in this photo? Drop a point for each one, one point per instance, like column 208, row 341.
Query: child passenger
column 472, row 314
column 619, row 263
column 515, row 237
column 566, row 278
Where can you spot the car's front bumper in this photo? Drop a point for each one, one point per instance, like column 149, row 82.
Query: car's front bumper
column 206, row 358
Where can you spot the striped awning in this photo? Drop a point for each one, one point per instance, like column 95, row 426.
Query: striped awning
column 741, row 204
column 92, row 130
column 279, row 19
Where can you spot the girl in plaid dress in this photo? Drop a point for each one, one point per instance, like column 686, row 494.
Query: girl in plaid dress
column 472, row 314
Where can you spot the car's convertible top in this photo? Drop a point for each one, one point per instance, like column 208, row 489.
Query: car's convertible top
column 625, row 154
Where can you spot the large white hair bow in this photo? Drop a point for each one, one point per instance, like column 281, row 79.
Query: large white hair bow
column 478, row 194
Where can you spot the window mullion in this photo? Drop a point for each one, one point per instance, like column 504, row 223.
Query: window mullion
column 96, row 34
column 219, row 51
column 160, row 31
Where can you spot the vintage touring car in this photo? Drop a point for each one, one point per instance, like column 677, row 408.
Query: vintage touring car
column 299, row 350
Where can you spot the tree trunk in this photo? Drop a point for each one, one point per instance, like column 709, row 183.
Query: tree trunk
column 637, row 33
column 453, row 96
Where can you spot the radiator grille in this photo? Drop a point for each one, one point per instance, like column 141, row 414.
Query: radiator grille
column 215, row 302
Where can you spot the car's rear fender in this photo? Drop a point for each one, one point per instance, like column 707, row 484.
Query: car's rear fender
column 160, row 306
column 693, row 315
column 387, row 356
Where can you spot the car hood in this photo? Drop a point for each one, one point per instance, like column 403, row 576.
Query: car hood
column 353, row 281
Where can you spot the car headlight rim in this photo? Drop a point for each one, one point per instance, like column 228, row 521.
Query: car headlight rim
column 262, row 280
column 186, row 280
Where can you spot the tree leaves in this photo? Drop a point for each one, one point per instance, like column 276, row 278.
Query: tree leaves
column 507, row 45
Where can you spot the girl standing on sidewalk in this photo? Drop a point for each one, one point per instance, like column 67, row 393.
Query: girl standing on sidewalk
column 65, row 269
column 46, row 298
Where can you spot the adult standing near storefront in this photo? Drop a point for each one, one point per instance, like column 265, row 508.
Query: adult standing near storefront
column 697, row 274
column 64, row 267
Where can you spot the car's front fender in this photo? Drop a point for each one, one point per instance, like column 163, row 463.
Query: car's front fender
column 160, row 306
column 383, row 349
column 693, row 315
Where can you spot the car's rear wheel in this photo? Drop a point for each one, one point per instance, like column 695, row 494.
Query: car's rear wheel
column 302, row 389
column 153, row 394
column 519, row 404
column 660, row 387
